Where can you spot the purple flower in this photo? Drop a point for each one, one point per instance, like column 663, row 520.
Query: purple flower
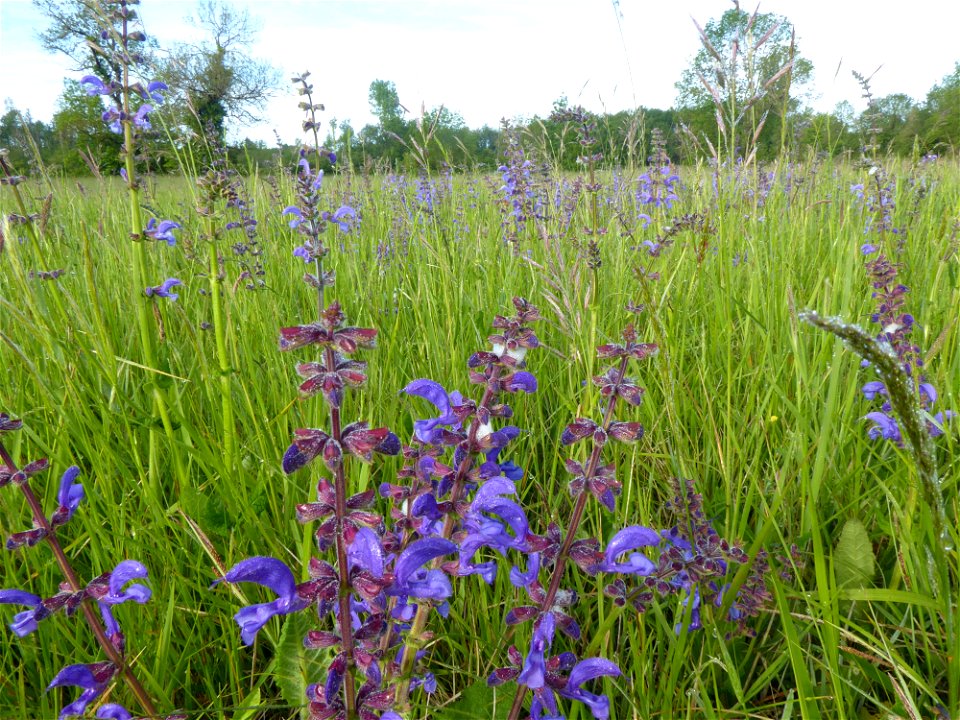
column 123, row 573
column 112, row 118
column 303, row 252
column 587, row 670
column 92, row 678
column 163, row 231
column 885, row 426
column 96, row 86
column 342, row 217
column 874, row 388
column 163, row 290
column 428, row 431
column 153, row 91
column 935, row 427
column 297, row 215
column 116, row 595
column 141, row 118
column 270, row 573
column 534, row 670
column 112, row 711
column 630, row 538
column 412, row 579
column 485, row 531
column 366, row 553
column 24, row 622
column 69, row 496
column 520, row 381
column 868, row 248
column 652, row 247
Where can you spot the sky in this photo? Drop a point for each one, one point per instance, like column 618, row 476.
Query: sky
column 489, row 59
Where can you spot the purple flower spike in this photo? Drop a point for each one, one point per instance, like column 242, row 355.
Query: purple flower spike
column 112, row 711
column 270, row 573
column 69, row 496
column 92, row 678
column 163, row 290
column 24, row 622
column 630, row 538
column 587, row 670
column 534, row 670
column 428, row 431
column 413, row 579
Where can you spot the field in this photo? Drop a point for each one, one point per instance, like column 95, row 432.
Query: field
column 179, row 412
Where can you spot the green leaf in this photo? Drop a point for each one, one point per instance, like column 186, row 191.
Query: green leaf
column 479, row 700
column 853, row 556
column 288, row 671
column 250, row 707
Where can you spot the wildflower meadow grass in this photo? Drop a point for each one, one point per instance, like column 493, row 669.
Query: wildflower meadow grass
column 771, row 532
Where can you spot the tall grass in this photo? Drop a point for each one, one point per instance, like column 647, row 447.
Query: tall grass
column 763, row 412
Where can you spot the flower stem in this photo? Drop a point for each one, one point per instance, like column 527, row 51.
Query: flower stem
column 40, row 520
column 219, row 329
column 575, row 519
column 449, row 525
column 343, row 599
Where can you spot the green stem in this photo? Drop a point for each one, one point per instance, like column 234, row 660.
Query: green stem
column 219, row 329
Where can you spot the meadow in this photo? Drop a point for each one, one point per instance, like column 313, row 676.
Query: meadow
column 762, row 412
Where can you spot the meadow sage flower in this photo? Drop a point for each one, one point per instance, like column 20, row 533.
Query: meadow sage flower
column 162, row 230
column 163, row 290
column 24, row 622
column 92, row 678
column 69, row 496
column 343, row 217
column 95, row 86
column 430, row 431
column 272, row 574
column 412, row 579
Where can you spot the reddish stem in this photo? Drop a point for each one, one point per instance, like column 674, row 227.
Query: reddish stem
column 40, row 520
column 578, row 509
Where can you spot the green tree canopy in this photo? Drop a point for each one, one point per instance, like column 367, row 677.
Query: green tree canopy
column 217, row 79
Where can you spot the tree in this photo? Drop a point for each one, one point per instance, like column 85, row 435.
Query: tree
column 386, row 140
column 218, row 79
column 942, row 114
column 745, row 70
